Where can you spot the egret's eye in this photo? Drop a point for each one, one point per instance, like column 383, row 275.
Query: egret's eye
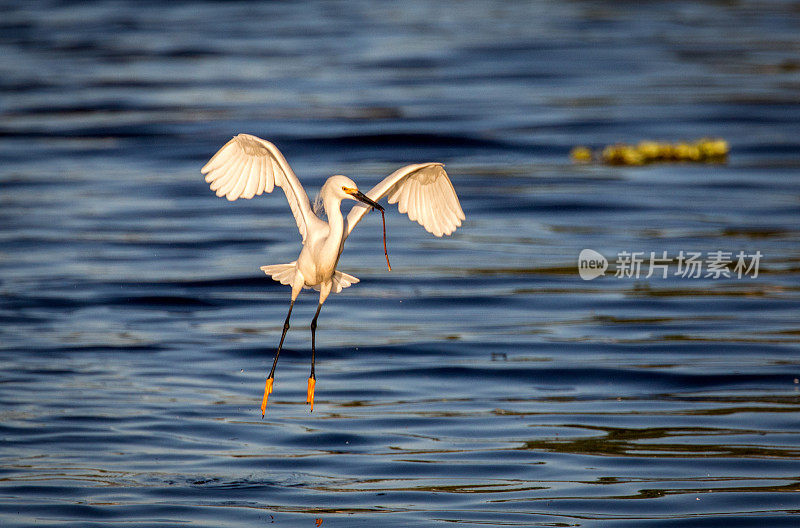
column 349, row 190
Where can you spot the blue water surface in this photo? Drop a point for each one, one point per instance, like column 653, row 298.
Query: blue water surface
column 482, row 382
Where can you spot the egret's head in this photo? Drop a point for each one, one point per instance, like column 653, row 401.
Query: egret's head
column 344, row 188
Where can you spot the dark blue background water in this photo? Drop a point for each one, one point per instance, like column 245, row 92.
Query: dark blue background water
column 481, row 382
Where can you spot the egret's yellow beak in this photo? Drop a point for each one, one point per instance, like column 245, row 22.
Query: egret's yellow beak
column 361, row 197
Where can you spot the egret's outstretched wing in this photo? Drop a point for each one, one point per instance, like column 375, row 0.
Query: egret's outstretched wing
column 248, row 165
column 424, row 192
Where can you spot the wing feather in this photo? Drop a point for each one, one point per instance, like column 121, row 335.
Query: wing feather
column 435, row 203
column 247, row 166
column 262, row 176
column 218, row 159
column 230, row 178
column 241, row 182
column 420, row 207
column 444, row 202
column 270, row 176
column 219, row 177
column 423, row 192
column 291, row 187
column 403, row 193
column 441, row 220
column 252, row 180
column 413, row 198
column 453, row 202
column 425, row 208
column 406, row 199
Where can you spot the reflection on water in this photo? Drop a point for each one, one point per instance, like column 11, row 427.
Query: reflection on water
column 482, row 381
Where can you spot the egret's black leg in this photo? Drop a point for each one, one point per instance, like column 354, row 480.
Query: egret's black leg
column 312, row 379
column 283, row 336
column 270, row 378
column 313, row 338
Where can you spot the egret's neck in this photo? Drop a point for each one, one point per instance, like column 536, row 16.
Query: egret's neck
column 333, row 210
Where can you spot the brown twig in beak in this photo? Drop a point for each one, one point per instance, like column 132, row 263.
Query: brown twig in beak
column 358, row 195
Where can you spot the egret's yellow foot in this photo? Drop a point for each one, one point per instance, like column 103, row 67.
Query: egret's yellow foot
column 310, row 393
column 267, row 392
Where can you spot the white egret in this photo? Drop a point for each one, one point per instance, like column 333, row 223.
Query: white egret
column 247, row 166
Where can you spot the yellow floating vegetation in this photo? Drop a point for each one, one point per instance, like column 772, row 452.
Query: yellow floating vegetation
column 582, row 154
column 706, row 150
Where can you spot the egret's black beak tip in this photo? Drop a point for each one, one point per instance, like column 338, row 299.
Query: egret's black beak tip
column 361, row 197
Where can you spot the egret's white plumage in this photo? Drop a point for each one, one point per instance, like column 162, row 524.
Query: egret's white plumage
column 422, row 191
column 247, row 166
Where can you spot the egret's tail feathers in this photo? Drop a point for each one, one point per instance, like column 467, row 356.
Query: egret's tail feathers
column 341, row 281
column 283, row 273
